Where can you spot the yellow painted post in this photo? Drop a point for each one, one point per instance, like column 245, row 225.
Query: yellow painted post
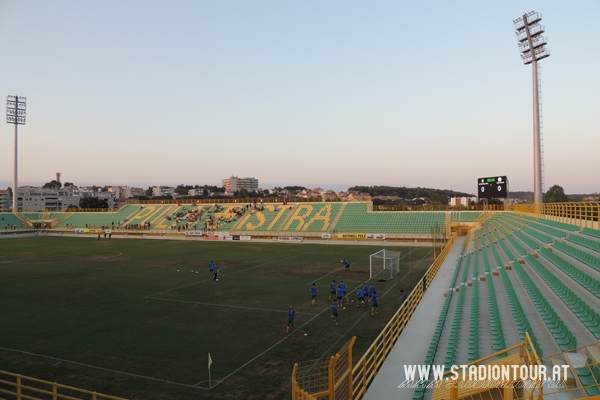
column 94, row 396
column 332, row 377
column 54, row 391
column 384, row 347
column 453, row 391
column 375, row 357
column 294, row 383
column 364, row 378
column 350, row 391
column 19, row 387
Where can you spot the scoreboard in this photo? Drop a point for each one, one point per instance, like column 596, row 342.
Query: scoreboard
column 492, row 188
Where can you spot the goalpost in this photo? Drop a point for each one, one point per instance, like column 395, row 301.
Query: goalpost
column 384, row 260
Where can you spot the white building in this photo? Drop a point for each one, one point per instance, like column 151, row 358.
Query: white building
column 39, row 199
column 5, row 200
column 462, row 201
column 198, row 192
column 235, row 183
column 121, row 192
column 163, row 191
column 137, row 192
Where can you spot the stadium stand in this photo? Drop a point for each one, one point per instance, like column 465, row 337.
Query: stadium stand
column 97, row 219
column 10, row 220
column 356, row 219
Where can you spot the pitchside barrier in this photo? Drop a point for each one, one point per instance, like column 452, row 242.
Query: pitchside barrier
column 578, row 377
column 22, row 387
column 583, row 215
column 308, row 378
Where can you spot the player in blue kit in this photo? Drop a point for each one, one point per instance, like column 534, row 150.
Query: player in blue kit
column 291, row 313
column 361, row 298
column 343, row 286
column 371, row 292
column 313, row 292
column 346, row 264
column 374, row 303
column 211, row 267
column 334, row 312
column 340, row 295
column 366, row 289
column 332, row 290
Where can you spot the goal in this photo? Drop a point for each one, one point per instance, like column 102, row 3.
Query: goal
column 384, row 260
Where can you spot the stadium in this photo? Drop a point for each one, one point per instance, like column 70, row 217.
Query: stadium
column 484, row 301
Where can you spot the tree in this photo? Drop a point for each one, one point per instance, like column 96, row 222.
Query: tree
column 72, row 206
column 53, row 184
column 556, row 194
column 92, row 202
column 149, row 192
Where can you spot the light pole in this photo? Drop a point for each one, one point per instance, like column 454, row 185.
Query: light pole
column 15, row 114
column 532, row 45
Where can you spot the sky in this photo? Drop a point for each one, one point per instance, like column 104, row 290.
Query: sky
column 313, row 93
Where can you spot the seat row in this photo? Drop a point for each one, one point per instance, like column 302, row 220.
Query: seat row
column 589, row 243
column 437, row 333
column 549, row 230
column 587, row 281
column 586, row 258
column 559, row 330
column 538, row 235
column 579, row 307
column 591, row 232
column 521, row 320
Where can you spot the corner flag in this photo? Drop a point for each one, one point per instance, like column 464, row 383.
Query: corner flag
column 209, row 364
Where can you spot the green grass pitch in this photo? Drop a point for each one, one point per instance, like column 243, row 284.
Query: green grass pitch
column 116, row 317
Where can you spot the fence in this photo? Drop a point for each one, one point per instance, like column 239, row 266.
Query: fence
column 581, row 370
column 22, row 387
column 329, row 377
column 353, row 385
column 584, row 215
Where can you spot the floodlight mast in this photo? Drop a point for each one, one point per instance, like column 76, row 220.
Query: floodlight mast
column 15, row 114
column 532, row 45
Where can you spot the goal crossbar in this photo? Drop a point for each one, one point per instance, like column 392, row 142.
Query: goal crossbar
column 384, row 260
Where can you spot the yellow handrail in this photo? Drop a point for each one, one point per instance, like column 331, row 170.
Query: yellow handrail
column 20, row 383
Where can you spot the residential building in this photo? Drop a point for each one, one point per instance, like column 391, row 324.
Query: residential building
column 121, row 192
column 5, row 200
column 163, row 191
column 462, row 201
column 38, row 199
column 198, row 192
column 137, row 192
column 235, row 183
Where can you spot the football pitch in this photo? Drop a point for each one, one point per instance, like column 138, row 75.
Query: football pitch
column 133, row 318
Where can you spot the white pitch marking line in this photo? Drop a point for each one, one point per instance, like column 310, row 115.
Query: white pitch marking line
column 352, row 327
column 429, row 252
column 318, row 279
column 235, row 272
column 273, row 346
column 102, row 368
column 226, row 305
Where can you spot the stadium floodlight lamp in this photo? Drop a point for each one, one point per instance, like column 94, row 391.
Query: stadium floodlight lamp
column 16, row 108
column 532, row 46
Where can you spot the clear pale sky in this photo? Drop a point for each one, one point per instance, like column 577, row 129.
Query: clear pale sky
column 315, row 93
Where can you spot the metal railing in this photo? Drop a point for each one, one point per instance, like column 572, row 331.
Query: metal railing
column 367, row 367
column 355, row 383
column 584, row 214
column 27, row 388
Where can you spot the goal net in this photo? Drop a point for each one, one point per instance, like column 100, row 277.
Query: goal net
column 384, row 261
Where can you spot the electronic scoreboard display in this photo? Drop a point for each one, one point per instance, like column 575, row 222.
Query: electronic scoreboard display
column 492, row 188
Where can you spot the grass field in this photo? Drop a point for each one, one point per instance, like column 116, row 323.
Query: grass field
column 117, row 317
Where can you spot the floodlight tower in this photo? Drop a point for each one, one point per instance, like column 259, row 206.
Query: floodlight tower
column 532, row 45
column 15, row 114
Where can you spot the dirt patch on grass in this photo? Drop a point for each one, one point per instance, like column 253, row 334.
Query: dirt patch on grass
column 106, row 257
